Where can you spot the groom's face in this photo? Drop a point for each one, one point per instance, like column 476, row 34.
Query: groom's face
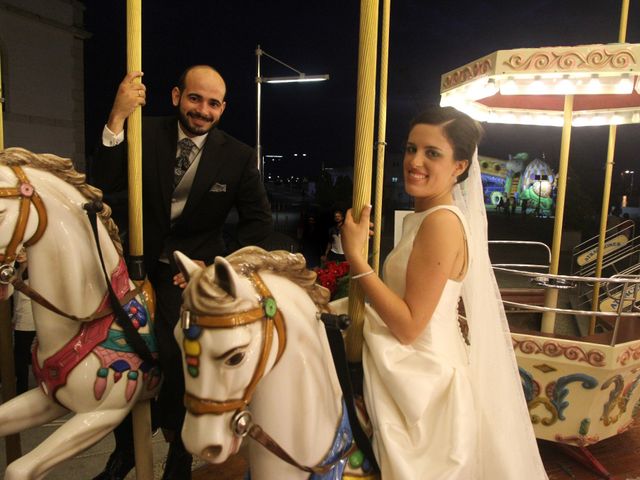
column 201, row 103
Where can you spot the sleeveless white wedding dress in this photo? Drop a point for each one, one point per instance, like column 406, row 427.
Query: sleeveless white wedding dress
column 419, row 396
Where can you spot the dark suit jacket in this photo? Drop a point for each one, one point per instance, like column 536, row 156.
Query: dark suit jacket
column 198, row 231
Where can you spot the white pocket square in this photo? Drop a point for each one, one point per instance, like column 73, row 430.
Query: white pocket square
column 218, row 187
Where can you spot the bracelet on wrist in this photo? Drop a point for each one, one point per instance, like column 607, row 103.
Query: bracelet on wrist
column 360, row 275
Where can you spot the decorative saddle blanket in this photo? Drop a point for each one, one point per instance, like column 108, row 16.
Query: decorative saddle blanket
column 107, row 343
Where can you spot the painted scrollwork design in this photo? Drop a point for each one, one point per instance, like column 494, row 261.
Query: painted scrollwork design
column 631, row 353
column 571, row 60
column 614, row 397
column 552, row 349
column 548, row 406
column 467, row 73
column 618, row 397
column 556, row 393
column 561, row 391
column 529, row 385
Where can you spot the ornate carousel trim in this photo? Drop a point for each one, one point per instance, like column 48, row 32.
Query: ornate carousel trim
column 576, row 59
column 594, row 357
column 468, row 72
column 631, row 353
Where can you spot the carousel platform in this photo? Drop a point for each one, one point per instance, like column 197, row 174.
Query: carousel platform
column 620, row 455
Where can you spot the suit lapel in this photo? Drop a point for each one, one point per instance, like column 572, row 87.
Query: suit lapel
column 208, row 168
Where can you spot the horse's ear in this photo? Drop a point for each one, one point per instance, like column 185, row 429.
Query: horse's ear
column 230, row 281
column 185, row 264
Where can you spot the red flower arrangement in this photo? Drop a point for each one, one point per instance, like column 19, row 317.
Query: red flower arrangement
column 334, row 277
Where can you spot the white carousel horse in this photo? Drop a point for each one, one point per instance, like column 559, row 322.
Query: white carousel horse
column 256, row 359
column 82, row 362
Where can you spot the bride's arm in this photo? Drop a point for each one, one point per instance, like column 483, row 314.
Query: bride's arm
column 431, row 263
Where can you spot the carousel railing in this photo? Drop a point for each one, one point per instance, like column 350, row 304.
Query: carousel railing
column 625, row 261
column 584, row 297
column 626, row 228
column 627, row 287
column 526, row 243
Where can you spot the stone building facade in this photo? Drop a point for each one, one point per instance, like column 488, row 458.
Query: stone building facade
column 41, row 56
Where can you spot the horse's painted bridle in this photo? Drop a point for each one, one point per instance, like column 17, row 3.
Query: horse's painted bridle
column 27, row 195
column 26, row 192
column 269, row 314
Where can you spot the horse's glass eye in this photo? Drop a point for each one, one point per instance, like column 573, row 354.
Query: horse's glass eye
column 235, row 359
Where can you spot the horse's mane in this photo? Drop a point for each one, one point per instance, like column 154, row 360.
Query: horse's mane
column 205, row 295
column 64, row 170
column 290, row 265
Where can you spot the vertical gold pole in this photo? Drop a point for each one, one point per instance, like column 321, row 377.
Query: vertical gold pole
column 7, row 368
column 624, row 15
column 606, row 194
column 551, row 296
column 1, row 110
column 134, row 129
column 141, row 411
column 608, row 174
column 365, row 110
column 382, row 132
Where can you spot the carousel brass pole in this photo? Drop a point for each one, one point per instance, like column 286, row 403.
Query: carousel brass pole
column 134, row 131
column 551, row 295
column 1, row 110
column 595, row 303
column 7, row 368
column 606, row 194
column 141, row 410
column 365, row 110
column 382, row 132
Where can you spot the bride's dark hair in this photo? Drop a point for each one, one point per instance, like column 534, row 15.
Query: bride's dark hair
column 461, row 130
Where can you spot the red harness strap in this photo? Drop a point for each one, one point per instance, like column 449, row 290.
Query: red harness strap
column 55, row 369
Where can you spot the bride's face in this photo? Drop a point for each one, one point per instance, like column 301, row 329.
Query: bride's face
column 430, row 170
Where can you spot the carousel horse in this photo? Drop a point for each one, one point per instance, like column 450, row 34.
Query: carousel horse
column 82, row 361
column 256, row 361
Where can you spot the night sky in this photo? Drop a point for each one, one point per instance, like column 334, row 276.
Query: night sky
column 428, row 38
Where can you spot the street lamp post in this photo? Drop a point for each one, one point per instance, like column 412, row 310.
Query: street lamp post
column 632, row 173
column 301, row 77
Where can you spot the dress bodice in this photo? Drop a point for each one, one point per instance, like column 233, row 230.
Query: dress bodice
column 443, row 325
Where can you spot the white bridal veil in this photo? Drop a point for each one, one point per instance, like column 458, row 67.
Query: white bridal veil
column 508, row 449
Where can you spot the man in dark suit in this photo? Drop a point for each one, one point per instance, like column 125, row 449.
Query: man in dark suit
column 193, row 174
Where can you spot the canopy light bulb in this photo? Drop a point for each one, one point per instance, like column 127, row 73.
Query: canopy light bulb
column 509, row 87
column 537, row 87
column 624, row 85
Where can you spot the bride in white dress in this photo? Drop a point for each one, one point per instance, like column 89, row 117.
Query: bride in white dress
column 441, row 408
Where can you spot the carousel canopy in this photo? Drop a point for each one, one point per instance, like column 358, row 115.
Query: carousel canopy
column 528, row 85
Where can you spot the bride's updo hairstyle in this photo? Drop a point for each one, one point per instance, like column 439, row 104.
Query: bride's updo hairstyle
column 462, row 131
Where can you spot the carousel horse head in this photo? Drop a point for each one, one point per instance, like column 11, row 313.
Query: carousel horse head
column 245, row 321
column 27, row 181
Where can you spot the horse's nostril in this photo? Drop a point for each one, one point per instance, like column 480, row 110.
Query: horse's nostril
column 211, row 452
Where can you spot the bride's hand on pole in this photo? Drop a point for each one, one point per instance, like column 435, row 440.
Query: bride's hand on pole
column 354, row 235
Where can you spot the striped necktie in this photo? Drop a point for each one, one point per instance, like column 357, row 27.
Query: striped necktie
column 185, row 146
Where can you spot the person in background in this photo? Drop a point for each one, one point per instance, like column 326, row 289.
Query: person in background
column 333, row 252
column 24, row 331
column 311, row 242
